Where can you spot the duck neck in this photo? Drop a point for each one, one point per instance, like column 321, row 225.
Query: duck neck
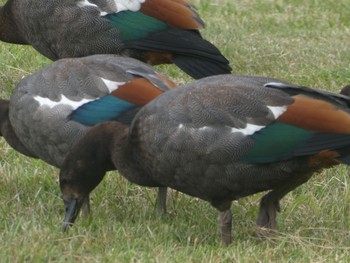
column 104, row 147
column 97, row 149
column 125, row 158
column 9, row 30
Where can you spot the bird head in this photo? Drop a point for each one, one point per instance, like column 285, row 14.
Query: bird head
column 82, row 170
column 74, row 190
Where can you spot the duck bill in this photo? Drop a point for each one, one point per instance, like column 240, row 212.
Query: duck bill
column 71, row 208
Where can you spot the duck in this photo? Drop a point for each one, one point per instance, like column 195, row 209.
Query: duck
column 51, row 109
column 219, row 139
column 153, row 31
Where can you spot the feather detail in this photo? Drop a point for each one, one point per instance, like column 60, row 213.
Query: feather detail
column 294, row 90
column 276, row 142
column 323, row 159
column 178, row 14
column 135, row 25
column 308, row 127
column 191, row 53
column 125, row 99
column 157, row 79
column 132, row 5
column 100, row 110
column 139, row 91
column 316, row 115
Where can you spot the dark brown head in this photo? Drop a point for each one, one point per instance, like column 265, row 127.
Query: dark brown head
column 84, row 168
column 78, row 177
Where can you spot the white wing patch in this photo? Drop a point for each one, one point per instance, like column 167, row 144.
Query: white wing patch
column 277, row 111
column 112, row 85
column 275, row 84
column 132, row 5
column 204, row 128
column 63, row 101
column 43, row 101
column 84, row 3
column 249, row 129
column 119, row 5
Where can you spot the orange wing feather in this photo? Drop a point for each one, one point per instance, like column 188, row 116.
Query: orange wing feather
column 317, row 115
column 323, row 159
column 176, row 13
column 138, row 91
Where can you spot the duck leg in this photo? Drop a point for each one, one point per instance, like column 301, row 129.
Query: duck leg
column 225, row 222
column 225, row 226
column 269, row 206
column 161, row 200
column 270, row 203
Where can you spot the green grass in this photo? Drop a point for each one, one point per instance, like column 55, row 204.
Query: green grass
column 305, row 42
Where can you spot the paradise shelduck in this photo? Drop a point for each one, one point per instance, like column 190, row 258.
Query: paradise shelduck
column 154, row 31
column 50, row 110
column 219, row 139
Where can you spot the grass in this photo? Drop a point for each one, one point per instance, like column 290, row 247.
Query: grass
column 304, row 42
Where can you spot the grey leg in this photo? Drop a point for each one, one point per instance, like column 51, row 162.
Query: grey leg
column 225, row 226
column 161, row 200
column 269, row 204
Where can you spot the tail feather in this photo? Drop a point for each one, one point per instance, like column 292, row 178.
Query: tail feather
column 193, row 54
column 199, row 67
